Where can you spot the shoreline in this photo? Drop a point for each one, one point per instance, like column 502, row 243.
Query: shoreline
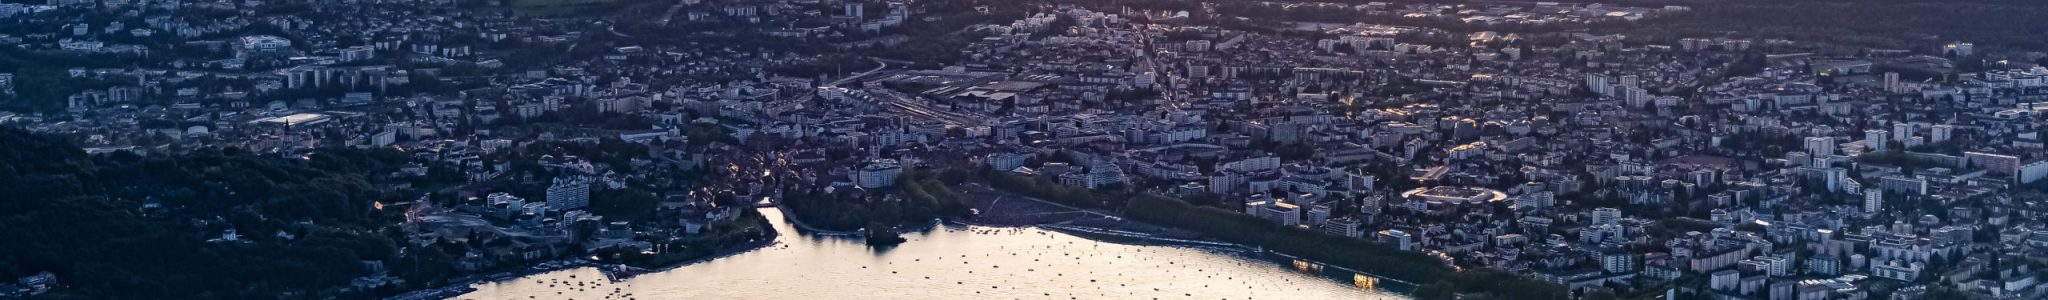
column 1102, row 234
column 1328, row 265
column 628, row 272
column 1142, row 239
column 799, row 224
column 1112, row 233
column 613, row 272
column 1106, row 234
column 462, row 285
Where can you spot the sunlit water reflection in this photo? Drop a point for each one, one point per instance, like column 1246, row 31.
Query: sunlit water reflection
column 956, row 262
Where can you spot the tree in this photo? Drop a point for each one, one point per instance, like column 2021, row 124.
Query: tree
column 623, row 204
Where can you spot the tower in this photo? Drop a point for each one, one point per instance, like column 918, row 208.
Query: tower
column 1891, row 82
column 1597, row 83
column 568, row 193
column 1606, row 216
column 1901, row 131
column 854, row 9
column 1820, row 146
column 1635, row 97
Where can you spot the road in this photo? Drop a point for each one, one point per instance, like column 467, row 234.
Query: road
column 1160, row 75
column 879, row 65
column 978, row 188
column 897, row 101
column 806, row 97
column 671, row 14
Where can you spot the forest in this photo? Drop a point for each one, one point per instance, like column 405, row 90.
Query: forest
column 918, row 196
column 127, row 226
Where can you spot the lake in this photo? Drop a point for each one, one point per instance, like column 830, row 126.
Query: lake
column 962, row 262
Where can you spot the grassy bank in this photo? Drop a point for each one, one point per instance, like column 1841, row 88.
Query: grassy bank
column 1438, row 280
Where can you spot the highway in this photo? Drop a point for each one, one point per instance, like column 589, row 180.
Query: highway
column 899, row 102
column 806, row 97
column 880, row 64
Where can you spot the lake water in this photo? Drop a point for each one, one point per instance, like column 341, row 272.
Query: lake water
column 961, row 262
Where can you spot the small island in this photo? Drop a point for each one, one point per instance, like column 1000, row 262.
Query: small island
column 879, row 235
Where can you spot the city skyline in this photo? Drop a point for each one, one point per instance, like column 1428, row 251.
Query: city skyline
column 488, row 149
